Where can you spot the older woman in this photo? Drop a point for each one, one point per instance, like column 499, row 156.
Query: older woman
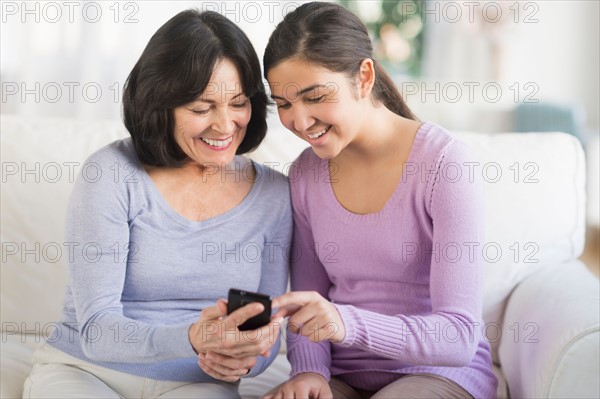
column 168, row 220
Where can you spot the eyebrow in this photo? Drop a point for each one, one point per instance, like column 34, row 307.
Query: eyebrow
column 301, row 92
column 204, row 100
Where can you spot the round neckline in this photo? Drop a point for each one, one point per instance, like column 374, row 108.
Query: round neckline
column 231, row 213
column 346, row 214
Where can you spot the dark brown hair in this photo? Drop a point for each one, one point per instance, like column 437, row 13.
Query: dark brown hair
column 331, row 36
column 175, row 69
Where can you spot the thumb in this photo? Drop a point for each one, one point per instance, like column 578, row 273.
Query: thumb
column 214, row 312
column 222, row 306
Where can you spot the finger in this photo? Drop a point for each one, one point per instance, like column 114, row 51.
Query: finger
column 225, row 371
column 212, row 312
column 223, row 360
column 208, row 369
column 287, row 311
column 271, row 331
column 246, row 362
column 239, row 316
column 289, row 391
column 296, row 322
column 280, row 314
column 222, row 305
column 250, row 343
column 300, row 298
column 204, row 367
column 311, row 329
column 326, row 393
column 260, row 341
column 314, row 331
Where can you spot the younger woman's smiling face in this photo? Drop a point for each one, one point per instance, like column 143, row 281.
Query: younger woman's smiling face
column 317, row 105
column 210, row 129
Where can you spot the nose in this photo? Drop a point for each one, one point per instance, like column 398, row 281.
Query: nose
column 223, row 123
column 301, row 119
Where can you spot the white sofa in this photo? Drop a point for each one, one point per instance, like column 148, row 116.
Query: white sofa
column 541, row 306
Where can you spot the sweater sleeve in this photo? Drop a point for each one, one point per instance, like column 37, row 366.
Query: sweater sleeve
column 449, row 335
column 275, row 266
column 97, row 229
column 307, row 274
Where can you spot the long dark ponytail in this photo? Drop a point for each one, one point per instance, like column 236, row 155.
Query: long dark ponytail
column 331, row 36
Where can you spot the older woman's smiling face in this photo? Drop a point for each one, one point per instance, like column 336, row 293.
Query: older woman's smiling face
column 210, row 129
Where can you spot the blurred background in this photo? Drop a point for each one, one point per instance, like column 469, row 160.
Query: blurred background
column 487, row 66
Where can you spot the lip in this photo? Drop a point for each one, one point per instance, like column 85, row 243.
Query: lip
column 320, row 139
column 216, row 148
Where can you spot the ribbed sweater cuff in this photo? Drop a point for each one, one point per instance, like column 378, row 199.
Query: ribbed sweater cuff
column 349, row 321
column 309, row 357
column 371, row 331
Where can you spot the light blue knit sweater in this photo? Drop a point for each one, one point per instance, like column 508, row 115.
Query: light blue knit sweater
column 140, row 273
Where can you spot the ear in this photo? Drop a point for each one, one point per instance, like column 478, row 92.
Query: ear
column 366, row 77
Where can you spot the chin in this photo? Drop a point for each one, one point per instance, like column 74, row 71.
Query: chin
column 328, row 151
column 325, row 153
column 222, row 158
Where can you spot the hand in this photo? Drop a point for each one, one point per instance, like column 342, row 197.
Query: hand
column 304, row 385
column 311, row 315
column 217, row 332
column 225, row 368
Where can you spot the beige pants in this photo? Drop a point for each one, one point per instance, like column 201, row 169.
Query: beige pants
column 58, row 375
column 421, row 386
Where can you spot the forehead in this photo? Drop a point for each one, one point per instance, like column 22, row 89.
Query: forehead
column 289, row 77
column 225, row 81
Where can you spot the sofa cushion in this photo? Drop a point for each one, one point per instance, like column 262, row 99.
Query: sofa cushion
column 552, row 323
column 17, row 351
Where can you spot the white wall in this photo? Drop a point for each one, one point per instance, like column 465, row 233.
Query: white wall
column 551, row 46
column 557, row 53
column 55, row 65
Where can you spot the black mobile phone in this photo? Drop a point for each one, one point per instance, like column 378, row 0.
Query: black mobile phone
column 238, row 298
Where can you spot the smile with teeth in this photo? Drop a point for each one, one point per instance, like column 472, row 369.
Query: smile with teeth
column 217, row 143
column 319, row 134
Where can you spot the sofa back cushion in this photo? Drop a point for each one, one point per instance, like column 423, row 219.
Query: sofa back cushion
column 534, row 187
column 535, row 210
column 40, row 161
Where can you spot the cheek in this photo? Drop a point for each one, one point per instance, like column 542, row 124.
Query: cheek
column 243, row 117
column 335, row 112
column 286, row 119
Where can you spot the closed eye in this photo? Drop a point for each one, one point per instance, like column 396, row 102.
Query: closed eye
column 200, row 111
column 240, row 105
column 316, row 99
column 284, row 106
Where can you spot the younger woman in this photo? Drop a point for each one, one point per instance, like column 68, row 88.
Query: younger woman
column 387, row 296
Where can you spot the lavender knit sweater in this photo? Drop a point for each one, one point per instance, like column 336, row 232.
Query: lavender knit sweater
column 406, row 280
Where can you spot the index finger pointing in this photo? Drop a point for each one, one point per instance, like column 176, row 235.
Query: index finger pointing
column 299, row 298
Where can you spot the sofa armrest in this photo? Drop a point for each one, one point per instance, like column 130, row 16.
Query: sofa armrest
column 551, row 331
